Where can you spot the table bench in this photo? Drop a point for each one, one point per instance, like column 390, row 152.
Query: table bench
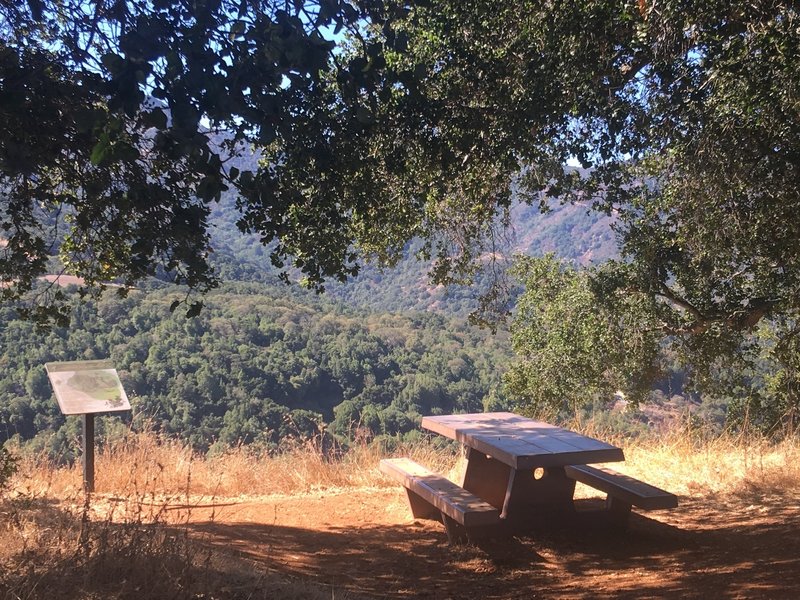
column 622, row 491
column 433, row 496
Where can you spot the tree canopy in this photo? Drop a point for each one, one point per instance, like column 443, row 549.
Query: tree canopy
column 685, row 115
column 378, row 120
column 120, row 122
column 571, row 352
column 685, row 118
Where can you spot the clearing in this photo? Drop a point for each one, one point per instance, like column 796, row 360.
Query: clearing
column 169, row 524
column 363, row 543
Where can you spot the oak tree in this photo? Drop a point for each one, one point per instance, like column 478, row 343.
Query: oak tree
column 121, row 122
column 377, row 121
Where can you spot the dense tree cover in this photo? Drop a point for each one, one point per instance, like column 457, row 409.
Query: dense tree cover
column 122, row 124
column 571, row 232
column 576, row 353
column 570, row 352
column 423, row 118
column 106, row 157
column 685, row 117
column 254, row 366
column 375, row 120
column 8, row 466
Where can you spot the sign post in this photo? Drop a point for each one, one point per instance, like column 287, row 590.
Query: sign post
column 87, row 454
column 87, row 388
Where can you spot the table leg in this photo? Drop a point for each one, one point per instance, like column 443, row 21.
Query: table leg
column 486, row 477
column 531, row 500
column 421, row 508
column 523, row 498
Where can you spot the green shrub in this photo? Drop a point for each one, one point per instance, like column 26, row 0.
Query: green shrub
column 8, row 466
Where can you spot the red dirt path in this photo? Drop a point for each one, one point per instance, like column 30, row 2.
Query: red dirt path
column 364, row 543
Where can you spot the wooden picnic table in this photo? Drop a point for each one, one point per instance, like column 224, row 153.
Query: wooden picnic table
column 518, row 465
column 519, row 473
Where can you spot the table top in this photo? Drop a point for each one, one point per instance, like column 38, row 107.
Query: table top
column 522, row 443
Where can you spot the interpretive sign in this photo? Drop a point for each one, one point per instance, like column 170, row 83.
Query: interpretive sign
column 84, row 388
column 88, row 386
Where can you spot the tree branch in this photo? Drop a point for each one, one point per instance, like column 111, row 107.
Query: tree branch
column 667, row 293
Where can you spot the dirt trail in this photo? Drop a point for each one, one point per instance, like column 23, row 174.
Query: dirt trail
column 364, row 542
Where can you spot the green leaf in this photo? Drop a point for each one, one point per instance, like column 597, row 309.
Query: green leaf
column 194, row 310
column 156, row 118
column 100, row 150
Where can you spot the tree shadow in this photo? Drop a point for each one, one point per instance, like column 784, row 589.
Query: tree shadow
column 68, row 556
column 707, row 547
column 587, row 559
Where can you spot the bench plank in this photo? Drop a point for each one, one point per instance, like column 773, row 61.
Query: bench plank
column 623, row 487
column 452, row 500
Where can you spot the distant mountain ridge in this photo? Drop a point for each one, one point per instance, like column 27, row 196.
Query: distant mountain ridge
column 572, row 232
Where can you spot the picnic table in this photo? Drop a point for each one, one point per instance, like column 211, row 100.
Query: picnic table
column 519, row 473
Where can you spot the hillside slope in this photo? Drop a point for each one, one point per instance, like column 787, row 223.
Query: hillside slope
column 571, row 232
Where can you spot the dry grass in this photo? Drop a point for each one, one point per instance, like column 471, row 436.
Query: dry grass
column 722, row 465
column 122, row 542
column 55, row 543
column 143, row 465
column 140, row 464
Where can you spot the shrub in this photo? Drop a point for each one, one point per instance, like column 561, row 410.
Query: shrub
column 8, row 466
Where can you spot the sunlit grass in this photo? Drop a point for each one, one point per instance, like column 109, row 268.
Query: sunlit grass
column 684, row 462
column 51, row 534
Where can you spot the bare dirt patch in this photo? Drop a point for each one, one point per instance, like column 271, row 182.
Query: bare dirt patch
column 363, row 543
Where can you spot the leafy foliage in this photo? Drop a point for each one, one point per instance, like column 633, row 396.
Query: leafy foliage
column 421, row 119
column 573, row 351
column 8, row 466
column 106, row 149
column 127, row 124
column 253, row 367
column 685, row 117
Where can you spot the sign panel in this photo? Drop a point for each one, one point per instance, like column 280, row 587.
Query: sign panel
column 88, row 386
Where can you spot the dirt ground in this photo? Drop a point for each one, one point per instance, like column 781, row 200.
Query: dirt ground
column 365, row 544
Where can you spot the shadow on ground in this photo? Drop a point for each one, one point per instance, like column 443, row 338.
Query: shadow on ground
column 705, row 549
column 363, row 545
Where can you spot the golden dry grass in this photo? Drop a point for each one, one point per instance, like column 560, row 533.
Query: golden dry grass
column 721, row 465
column 144, row 464
column 49, row 533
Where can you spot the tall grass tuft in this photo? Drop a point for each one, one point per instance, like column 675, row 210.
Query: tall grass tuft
column 692, row 460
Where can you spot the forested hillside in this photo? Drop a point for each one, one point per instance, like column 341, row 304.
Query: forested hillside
column 381, row 126
column 570, row 231
column 265, row 361
column 256, row 365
